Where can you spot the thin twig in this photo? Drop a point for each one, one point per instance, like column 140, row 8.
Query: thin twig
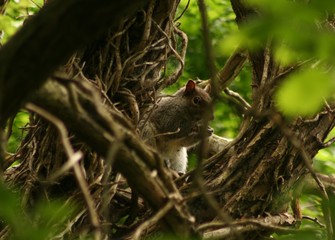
column 183, row 48
column 231, row 69
column 168, row 40
column 108, row 193
column 267, row 59
column 244, row 104
column 76, row 167
column 216, row 208
column 71, row 162
column 9, row 127
column 148, row 22
column 184, row 10
column 328, row 143
column 203, row 144
column 316, row 220
column 272, row 220
column 153, row 220
column 250, row 225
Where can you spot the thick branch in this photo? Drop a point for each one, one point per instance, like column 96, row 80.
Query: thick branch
column 48, row 39
column 101, row 129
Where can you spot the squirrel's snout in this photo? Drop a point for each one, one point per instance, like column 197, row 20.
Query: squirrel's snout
column 210, row 131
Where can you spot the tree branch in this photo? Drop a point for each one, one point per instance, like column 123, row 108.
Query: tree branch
column 71, row 154
column 102, row 131
column 57, row 31
column 274, row 223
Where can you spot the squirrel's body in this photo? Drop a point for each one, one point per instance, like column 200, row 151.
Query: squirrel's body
column 175, row 124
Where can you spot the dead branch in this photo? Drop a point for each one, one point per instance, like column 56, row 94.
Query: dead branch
column 133, row 159
column 231, row 69
column 280, row 223
column 72, row 156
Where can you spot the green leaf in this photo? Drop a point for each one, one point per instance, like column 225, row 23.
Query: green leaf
column 285, row 55
column 303, row 93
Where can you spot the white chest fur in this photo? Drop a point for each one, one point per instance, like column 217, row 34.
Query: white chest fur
column 175, row 158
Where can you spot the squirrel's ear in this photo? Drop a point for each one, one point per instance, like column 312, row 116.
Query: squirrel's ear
column 189, row 87
column 208, row 88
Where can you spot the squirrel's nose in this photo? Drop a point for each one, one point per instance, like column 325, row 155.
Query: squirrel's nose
column 210, row 131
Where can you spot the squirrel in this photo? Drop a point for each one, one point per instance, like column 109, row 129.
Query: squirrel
column 176, row 123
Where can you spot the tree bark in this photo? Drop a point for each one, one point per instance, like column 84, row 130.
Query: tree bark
column 58, row 30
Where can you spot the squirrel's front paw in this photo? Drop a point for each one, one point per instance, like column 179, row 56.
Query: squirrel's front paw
column 197, row 128
column 175, row 174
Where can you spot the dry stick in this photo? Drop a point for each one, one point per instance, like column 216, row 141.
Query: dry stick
column 223, row 75
column 203, row 144
column 315, row 220
column 73, row 159
column 265, row 81
column 328, row 143
column 214, row 159
column 114, row 42
column 250, row 225
column 267, row 59
column 69, row 225
column 243, row 103
column 147, row 27
column 76, row 167
column 153, row 220
column 231, row 69
column 181, row 57
column 169, row 44
column 119, row 67
column 283, row 219
column 108, row 193
column 133, row 105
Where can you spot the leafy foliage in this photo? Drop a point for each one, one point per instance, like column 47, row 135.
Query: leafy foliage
column 298, row 32
column 303, row 93
column 16, row 12
column 43, row 222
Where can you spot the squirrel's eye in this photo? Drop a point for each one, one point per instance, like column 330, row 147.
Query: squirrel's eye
column 197, row 100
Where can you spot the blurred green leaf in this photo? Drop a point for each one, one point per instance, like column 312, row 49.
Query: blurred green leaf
column 303, row 93
column 16, row 12
column 43, row 222
column 324, row 161
column 9, row 202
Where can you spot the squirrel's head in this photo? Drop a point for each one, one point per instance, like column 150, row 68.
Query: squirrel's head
column 198, row 100
column 199, row 107
column 184, row 115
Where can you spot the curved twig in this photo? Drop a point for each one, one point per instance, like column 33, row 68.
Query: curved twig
column 73, row 161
